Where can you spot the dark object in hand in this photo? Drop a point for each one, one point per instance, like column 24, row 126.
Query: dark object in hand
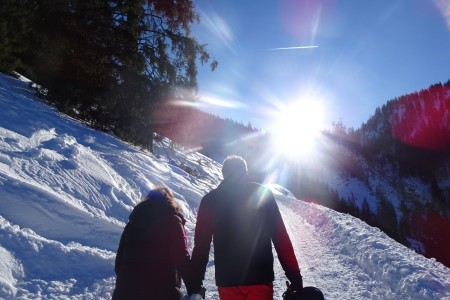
column 306, row 293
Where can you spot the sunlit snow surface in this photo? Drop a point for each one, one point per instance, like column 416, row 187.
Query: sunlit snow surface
column 66, row 191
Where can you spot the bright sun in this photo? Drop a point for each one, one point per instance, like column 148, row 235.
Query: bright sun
column 297, row 126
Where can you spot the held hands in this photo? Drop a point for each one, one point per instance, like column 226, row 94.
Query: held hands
column 199, row 295
column 193, row 297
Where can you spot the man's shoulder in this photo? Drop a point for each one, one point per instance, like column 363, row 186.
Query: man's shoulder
column 262, row 190
column 210, row 196
column 211, row 193
column 238, row 188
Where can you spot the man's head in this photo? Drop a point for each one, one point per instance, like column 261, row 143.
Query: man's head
column 234, row 167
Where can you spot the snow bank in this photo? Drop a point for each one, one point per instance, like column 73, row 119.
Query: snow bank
column 361, row 259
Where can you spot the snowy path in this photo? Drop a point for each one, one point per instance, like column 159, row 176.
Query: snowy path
column 347, row 259
column 319, row 264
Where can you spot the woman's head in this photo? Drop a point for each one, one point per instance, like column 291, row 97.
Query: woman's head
column 164, row 195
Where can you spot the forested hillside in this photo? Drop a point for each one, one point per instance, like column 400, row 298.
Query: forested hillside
column 393, row 172
column 108, row 63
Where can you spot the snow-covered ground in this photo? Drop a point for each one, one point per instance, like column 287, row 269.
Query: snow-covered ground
column 66, row 191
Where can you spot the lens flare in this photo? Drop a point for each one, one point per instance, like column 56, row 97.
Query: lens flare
column 422, row 119
column 444, row 7
column 212, row 100
column 219, row 28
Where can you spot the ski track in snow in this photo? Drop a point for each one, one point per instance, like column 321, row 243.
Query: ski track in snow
column 66, row 191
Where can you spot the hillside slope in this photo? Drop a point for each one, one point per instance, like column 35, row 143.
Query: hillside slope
column 66, row 191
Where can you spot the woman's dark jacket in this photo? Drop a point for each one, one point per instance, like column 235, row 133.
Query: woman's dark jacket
column 152, row 254
column 243, row 219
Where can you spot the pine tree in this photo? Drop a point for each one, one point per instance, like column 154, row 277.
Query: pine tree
column 15, row 30
column 109, row 63
column 387, row 217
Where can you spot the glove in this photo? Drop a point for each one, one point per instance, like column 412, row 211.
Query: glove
column 293, row 290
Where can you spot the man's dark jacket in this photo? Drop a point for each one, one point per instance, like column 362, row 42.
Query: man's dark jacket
column 152, row 254
column 243, row 219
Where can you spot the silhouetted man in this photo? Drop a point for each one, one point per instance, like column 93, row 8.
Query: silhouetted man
column 243, row 220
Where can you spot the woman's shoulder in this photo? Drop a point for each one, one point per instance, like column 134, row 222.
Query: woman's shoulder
column 177, row 218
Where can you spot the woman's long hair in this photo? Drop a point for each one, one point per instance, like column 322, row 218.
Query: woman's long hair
column 163, row 193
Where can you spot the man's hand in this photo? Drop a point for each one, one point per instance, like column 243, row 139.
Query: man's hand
column 198, row 295
column 203, row 292
column 298, row 284
column 293, row 289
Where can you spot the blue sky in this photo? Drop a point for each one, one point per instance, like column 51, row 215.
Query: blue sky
column 366, row 53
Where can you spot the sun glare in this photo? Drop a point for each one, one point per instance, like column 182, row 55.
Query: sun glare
column 297, row 126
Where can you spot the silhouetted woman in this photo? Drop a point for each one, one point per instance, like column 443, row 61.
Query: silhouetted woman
column 153, row 252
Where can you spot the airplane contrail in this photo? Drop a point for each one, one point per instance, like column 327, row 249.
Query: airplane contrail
column 293, row 48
